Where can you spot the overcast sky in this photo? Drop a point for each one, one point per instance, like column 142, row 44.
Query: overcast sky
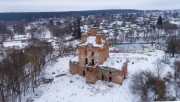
column 76, row 5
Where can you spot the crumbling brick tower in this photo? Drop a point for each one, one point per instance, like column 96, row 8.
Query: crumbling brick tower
column 94, row 62
column 92, row 51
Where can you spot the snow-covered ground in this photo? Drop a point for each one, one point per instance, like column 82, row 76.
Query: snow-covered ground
column 73, row 88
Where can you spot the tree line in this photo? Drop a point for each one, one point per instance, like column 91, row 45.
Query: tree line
column 30, row 16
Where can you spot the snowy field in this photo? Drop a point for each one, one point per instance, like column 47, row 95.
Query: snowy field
column 73, row 88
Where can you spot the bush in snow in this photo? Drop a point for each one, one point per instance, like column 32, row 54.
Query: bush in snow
column 149, row 87
column 47, row 79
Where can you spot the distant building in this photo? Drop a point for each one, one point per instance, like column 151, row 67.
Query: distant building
column 161, row 46
column 127, row 48
column 94, row 62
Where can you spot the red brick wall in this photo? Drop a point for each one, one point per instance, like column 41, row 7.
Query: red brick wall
column 100, row 54
column 116, row 76
column 93, row 32
column 98, row 39
column 84, row 38
column 91, row 75
column 73, row 67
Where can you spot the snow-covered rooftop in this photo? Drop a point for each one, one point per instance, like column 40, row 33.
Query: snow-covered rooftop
column 128, row 47
column 105, row 31
column 21, row 37
column 74, row 59
column 92, row 40
column 115, row 63
column 14, row 44
column 175, row 22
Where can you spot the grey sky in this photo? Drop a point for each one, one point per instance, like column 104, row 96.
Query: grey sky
column 74, row 5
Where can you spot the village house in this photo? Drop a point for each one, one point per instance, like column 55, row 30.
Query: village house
column 94, row 62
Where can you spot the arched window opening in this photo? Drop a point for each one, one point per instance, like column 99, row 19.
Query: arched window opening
column 92, row 53
column 92, row 62
column 86, row 61
column 102, row 77
column 110, row 79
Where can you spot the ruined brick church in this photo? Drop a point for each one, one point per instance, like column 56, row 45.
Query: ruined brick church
column 94, row 62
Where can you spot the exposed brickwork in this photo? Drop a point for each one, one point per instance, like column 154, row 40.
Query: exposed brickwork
column 98, row 39
column 91, row 74
column 91, row 56
column 93, row 32
column 73, row 67
column 84, row 37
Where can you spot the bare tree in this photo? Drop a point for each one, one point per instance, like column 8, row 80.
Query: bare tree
column 19, row 70
column 159, row 65
column 33, row 31
column 176, row 70
column 36, row 54
column 12, row 68
column 19, row 27
column 3, row 85
column 139, row 84
column 148, row 86
column 173, row 45
column 5, row 32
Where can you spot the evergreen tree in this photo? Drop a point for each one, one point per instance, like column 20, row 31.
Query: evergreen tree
column 159, row 22
column 51, row 22
column 74, row 29
column 78, row 28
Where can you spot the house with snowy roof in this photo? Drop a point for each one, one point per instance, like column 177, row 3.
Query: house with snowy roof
column 93, row 60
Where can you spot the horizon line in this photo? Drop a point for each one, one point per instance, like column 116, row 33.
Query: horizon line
column 85, row 10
